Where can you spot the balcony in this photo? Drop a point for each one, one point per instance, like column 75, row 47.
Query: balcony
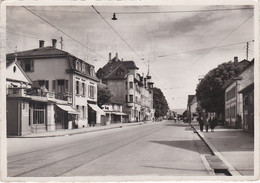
column 16, row 92
column 130, row 104
column 25, row 92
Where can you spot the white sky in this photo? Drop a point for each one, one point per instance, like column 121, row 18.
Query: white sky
column 150, row 35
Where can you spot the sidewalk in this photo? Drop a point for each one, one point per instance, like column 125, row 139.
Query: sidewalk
column 233, row 146
column 67, row 132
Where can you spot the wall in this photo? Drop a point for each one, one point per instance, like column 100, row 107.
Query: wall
column 25, row 128
column 49, row 69
column 12, row 117
column 118, row 90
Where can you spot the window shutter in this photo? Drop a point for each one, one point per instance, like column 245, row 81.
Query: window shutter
column 32, row 65
column 66, row 85
column 53, row 85
column 89, row 91
column 47, row 84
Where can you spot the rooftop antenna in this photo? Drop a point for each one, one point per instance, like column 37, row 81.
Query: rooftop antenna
column 15, row 55
column 148, row 68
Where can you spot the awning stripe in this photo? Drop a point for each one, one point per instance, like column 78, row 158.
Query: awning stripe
column 68, row 108
column 97, row 109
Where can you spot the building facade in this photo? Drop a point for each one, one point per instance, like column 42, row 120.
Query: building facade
column 233, row 100
column 65, row 77
column 247, row 92
column 192, row 107
column 129, row 89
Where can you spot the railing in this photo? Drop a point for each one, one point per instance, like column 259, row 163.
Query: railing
column 16, row 92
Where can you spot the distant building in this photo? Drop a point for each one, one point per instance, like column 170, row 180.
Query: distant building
column 192, row 107
column 65, row 77
column 233, row 100
column 129, row 89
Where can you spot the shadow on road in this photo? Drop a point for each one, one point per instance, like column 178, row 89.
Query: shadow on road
column 182, row 169
column 190, row 145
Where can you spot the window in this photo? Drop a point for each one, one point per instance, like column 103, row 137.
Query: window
column 83, row 89
column 28, row 65
column 91, row 71
column 91, row 91
column 44, row 83
column 131, row 98
column 77, row 87
column 126, row 98
column 83, row 67
column 77, row 65
column 130, row 84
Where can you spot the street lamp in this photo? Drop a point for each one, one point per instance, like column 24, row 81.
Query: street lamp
column 114, row 17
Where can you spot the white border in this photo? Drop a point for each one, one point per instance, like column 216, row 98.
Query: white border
column 3, row 146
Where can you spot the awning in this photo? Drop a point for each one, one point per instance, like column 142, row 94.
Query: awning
column 97, row 109
column 68, row 108
column 119, row 113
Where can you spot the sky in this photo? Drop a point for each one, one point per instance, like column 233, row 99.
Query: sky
column 180, row 44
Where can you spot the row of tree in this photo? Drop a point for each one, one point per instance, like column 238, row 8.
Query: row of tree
column 210, row 95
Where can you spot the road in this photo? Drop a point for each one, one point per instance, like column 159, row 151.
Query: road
column 163, row 148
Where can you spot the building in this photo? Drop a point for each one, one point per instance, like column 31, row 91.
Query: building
column 129, row 89
column 233, row 100
column 247, row 92
column 192, row 107
column 30, row 109
column 65, row 77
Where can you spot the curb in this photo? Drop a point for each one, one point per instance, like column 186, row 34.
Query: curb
column 76, row 133
column 215, row 152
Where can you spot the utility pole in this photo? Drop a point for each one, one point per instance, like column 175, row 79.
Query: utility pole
column 61, row 42
column 247, row 47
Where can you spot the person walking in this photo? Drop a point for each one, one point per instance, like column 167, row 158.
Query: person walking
column 207, row 121
column 213, row 124
column 201, row 123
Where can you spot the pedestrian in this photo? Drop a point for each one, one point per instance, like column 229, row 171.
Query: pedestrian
column 201, row 123
column 213, row 124
column 207, row 121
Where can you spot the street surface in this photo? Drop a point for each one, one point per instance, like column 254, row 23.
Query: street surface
column 162, row 148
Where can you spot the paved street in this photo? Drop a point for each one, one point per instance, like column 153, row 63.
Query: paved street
column 163, row 148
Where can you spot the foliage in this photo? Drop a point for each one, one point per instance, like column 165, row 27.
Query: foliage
column 209, row 94
column 160, row 103
column 103, row 95
column 185, row 113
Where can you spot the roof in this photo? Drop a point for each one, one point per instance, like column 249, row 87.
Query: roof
column 48, row 51
column 109, row 70
column 244, row 65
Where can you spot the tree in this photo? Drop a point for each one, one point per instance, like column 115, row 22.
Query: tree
column 103, row 94
column 209, row 93
column 159, row 102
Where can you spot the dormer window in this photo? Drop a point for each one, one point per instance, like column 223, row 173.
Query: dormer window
column 77, row 65
column 91, row 71
column 119, row 72
column 83, row 67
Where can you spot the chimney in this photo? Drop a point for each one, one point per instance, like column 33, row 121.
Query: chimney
column 54, row 43
column 109, row 57
column 116, row 56
column 235, row 59
column 41, row 43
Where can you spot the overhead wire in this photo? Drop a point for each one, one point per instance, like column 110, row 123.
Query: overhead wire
column 116, row 32
column 154, row 12
column 62, row 31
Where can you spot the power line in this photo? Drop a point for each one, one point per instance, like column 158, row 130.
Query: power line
column 154, row 12
column 219, row 42
column 62, row 31
column 160, row 56
column 116, row 32
column 188, row 11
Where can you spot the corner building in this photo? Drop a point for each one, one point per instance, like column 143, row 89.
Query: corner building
column 133, row 91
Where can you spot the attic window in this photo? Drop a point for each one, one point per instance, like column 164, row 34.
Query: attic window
column 14, row 69
column 119, row 72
